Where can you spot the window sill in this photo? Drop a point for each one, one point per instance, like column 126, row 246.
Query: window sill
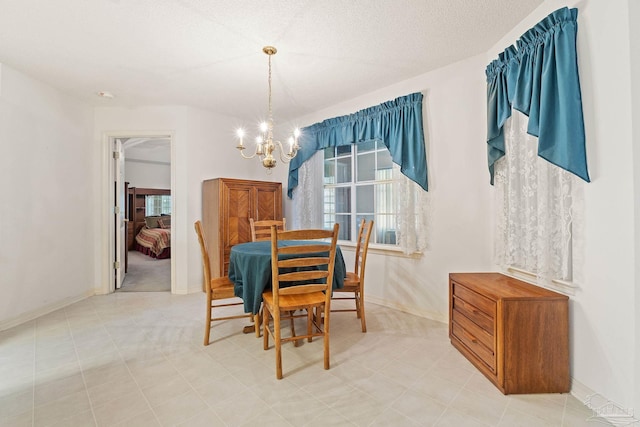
column 379, row 249
column 562, row 286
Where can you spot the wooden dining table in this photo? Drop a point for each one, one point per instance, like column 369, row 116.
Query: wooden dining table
column 250, row 271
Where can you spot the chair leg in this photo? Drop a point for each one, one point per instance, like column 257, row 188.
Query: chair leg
column 361, row 305
column 309, row 324
column 265, row 327
column 278, row 342
column 207, row 329
column 257, row 321
column 296, row 343
column 325, row 327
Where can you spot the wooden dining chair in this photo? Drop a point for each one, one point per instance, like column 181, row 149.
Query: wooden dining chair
column 302, row 279
column 218, row 288
column 354, row 282
column 261, row 230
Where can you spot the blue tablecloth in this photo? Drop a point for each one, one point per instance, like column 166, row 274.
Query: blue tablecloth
column 250, row 271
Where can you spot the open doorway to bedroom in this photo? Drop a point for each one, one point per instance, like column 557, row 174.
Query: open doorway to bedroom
column 148, row 204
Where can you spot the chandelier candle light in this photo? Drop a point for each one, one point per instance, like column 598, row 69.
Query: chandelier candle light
column 265, row 144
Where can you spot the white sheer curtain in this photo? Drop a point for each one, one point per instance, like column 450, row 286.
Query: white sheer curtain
column 539, row 210
column 412, row 204
column 412, row 209
column 308, row 195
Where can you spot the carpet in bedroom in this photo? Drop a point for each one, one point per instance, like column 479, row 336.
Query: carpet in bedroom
column 146, row 274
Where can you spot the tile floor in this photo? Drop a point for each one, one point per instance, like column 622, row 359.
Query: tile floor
column 137, row 359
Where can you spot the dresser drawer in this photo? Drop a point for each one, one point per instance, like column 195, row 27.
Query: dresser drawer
column 482, row 335
column 479, row 302
column 473, row 343
column 474, row 313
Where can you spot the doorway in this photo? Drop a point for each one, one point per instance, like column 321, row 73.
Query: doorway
column 142, row 192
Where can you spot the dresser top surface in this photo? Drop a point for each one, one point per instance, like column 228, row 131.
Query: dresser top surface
column 500, row 286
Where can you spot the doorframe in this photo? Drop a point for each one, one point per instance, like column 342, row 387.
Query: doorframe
column 108, row 201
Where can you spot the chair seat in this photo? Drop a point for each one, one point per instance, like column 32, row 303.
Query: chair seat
column 351, row 281
column 222, row 288
column 295, row 302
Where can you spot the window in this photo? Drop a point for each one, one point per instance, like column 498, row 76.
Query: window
column 157, row 205
column 358, row 183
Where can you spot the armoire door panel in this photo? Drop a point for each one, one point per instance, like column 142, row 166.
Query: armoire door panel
column 269, row 202
column 227, row 205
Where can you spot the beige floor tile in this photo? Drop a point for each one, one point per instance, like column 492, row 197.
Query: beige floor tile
column 206, row 418
column 419, row 408
column 56, row 385
column 180, row 408
column 59, row 409
column 124, row 407
column 164, row 391
column 137, row 359
column 14, row 404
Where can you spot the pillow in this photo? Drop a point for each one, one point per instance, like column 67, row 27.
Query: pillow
column 152, row 221
column 164, row 222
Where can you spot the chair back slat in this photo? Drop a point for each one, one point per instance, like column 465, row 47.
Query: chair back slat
column 302, row 289
column 303, row 262
column 362, row 246
column 261, row 230
column 298, row 276
column 313, row 255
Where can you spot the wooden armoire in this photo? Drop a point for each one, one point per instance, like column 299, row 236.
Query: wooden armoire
column 227, row 205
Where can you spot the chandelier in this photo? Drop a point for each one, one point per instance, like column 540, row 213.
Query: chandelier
column 265, row 144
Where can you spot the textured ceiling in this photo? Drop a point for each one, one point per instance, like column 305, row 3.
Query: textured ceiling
column 208, row 53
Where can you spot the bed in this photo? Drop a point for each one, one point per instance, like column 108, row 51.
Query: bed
column 154, row 239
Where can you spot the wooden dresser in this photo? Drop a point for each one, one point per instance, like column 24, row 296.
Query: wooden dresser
column 227, row 205
column 515, row 333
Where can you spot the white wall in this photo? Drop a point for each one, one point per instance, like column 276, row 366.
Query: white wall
column 145, row 174
column 634, row 39
column 46, row 213
column 203, row 147
column 603, row 312
column 459, row 192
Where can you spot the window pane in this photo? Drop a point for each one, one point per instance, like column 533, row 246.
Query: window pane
column 366, row 166
column 329, row 172
column 384, row 159
column 329, row 220
column 344, row 170
column 385, row 229
column 343, row 149
column 345, row 227
column 343, row 200
column 157, row 205
column 329, row 200
column 384, row 198
column 366, row 146
column 364, row 199
column 329, row 152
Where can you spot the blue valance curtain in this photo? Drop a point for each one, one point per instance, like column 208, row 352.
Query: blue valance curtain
column 397, row 123
column 539, row 77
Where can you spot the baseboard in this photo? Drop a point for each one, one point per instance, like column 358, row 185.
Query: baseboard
column 438, row 317
column 34, row 314
column 191, row 290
